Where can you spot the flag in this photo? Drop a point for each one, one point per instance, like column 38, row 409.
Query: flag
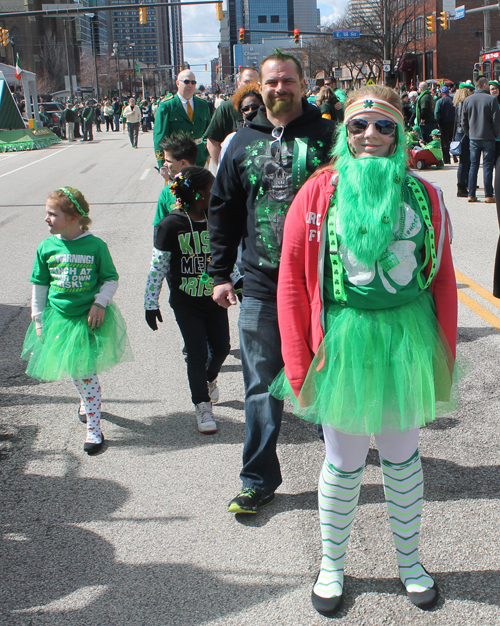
column 18, row 68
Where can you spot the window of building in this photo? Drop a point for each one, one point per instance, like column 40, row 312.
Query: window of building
column 262, row 19
column 275, row 19
column 409, row 31
column 429, row 65
column 419, row 27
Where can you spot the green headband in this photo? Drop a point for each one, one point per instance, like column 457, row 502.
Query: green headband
column 73, row 200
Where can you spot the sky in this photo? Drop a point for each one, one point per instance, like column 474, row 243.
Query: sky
column 201, row 33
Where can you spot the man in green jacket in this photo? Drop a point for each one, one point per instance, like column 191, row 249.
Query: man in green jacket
column 424, row 111
column 185, row 113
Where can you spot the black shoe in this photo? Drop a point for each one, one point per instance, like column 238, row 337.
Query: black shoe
column 249, row 501
column 424, row 600
column 82, row 417
column 462, row 191
column 326, row 606
column 93, row 448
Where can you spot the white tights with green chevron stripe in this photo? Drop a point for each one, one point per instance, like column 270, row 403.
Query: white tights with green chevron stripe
column 338, row 494
column 403, row 486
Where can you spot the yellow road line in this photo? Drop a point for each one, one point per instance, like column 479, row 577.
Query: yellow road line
column 478, row 309
column 481, row 291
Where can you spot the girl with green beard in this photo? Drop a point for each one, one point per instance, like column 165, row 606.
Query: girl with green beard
column 367, row 308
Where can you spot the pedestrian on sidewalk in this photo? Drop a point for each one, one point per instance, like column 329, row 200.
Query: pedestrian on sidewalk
column 445, row 117
column 132, row 113
column 481, row 122
column 182, row 254
column 87, row 116
column 464, row 91
column 108, row 115
column 368, row 329
column 117, row 108
column 69, row 117
column 76, row 331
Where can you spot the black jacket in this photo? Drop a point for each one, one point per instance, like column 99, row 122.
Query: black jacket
column 255, row 185
column 481, row 116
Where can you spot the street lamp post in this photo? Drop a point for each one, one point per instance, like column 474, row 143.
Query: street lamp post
column 93, row 25
column 67, row 55
column 116, row 54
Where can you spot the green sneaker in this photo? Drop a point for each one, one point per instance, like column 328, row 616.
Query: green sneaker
column 249, row 501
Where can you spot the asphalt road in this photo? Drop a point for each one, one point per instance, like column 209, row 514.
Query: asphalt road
column 139, row 535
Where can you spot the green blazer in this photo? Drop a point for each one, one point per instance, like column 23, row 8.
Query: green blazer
column 171, row 118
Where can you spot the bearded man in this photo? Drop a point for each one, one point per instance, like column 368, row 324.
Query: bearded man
column 265, row 165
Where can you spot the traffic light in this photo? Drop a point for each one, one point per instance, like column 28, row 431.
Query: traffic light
column 241, row 38
column 219, row 14
column 5, row 37
column 143, row 18
column 296, row 36
column 444, row 20
column 431, row 23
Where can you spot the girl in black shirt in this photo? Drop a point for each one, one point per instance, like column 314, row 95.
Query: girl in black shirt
column 182, row 255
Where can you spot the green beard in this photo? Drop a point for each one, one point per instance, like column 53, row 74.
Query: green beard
column 369, row 193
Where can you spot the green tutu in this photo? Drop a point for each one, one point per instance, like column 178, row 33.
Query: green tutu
column 69, row 348
column 384, row 370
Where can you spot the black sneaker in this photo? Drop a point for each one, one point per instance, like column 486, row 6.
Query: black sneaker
column 249, row 501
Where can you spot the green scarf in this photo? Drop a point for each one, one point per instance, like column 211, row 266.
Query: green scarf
column 417, row 108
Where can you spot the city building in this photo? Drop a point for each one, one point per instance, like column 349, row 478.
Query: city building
column 146, row 37
column 259, row 17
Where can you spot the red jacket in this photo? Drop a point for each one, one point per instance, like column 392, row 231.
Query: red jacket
column 300, row 304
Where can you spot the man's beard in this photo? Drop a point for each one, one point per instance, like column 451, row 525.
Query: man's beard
column 281, row 106
column 369, row 194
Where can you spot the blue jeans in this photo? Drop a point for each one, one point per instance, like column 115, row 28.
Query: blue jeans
column 476, row 146
column 116, row 119
column 261, row 360
column 463, row 161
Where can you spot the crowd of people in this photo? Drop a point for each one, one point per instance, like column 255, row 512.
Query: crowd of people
column 303, row 211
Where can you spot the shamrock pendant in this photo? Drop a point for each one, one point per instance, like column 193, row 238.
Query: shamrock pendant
column 204, row 278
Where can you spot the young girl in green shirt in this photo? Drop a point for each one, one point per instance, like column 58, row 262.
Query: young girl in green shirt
column 76, row 331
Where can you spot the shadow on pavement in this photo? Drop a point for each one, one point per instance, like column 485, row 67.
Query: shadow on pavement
column 54, row 570
column 177, row 431
column 468, row 334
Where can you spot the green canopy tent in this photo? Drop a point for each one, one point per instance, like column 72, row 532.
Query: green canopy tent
column 13, row 133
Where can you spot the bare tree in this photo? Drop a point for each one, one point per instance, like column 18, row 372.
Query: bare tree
column 52, row 56
column 364, row 56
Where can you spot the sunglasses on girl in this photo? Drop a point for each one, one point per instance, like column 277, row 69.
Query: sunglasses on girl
column 186, row 81
column 250, row 107
column 358, row 125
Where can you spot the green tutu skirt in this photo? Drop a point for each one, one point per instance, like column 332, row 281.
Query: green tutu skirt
column 384, row 370
column 69, row 348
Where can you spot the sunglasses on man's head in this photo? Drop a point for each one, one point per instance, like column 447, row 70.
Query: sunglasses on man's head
column 384, row 127
column 250, row 107
column 186, row 81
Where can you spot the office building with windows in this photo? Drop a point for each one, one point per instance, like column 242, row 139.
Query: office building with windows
column 152, row 41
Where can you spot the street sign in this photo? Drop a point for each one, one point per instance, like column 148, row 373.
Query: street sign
column 346, row 34
column 449, row 7
column 370, row 82
column 386, row 68
column 460, row 12
column 337, row 72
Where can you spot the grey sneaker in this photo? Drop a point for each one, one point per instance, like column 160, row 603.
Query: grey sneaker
column 205, row 418
column 213, row 391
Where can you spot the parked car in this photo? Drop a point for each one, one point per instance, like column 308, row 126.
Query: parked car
column 54, row 111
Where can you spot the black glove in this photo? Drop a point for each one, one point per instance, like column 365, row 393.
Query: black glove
column 152, row 316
